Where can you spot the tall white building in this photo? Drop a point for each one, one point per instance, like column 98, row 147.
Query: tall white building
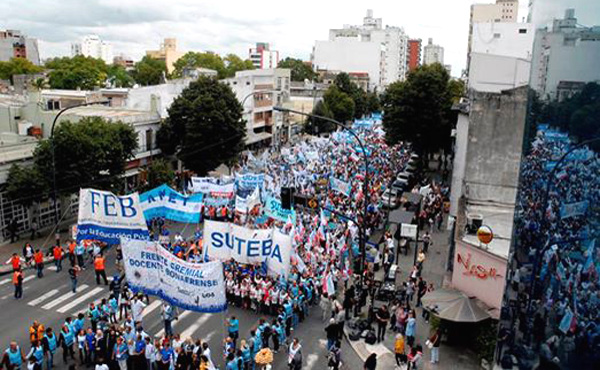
column 263, row 57
column 433, row 53
column 93, row 46
column 565, row 57
column 379, row 51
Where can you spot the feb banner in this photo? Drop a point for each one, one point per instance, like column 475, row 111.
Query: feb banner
column 152, row 269
column 170, row 204
column 274, row 210
column 107, row 217
column 340, row 186
column 223, row 241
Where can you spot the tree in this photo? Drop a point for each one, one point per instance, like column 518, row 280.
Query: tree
column 200, row 60
column 457, row 89
column 317, row 126
column 159, row 172
column 39, row 83
column 343, row 82
column 418, row 109
column 78, row 72
column 300, row 70
column 234, row 64
column 90, row 153
column 17, row 66
column 205, row 127
column 373, row 103
column 149, row 71
column 119, row 77
column 26, row 185
column 339, row 103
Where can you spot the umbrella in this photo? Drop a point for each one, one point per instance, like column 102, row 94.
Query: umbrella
column 453, row 305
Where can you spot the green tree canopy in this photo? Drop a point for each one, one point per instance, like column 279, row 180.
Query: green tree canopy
column 234, row 64
column 78, row 72
column 149, row 71
column 339, row 103
column 205, row 127
column 358, row 95
column 300, row 70
column 119, row 77
column 193, row 59
column 17, row 66
column 89, row 153
column 418, row 109
column 316, row 126
column 26, row 185
column 159, row 172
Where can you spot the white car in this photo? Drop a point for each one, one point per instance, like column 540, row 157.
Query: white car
column 391, row 198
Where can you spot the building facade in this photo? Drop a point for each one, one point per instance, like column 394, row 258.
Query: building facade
column 413, row 59
column 13, row 44
column 562, row 55
column 259, row 91
column 167, row 52
column 368, row 48
column 92, row 46
column 263, row 57
column 433, row 53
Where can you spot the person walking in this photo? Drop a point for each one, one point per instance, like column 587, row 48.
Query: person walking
column 38, row 258
column 295, row 355
column 167, row 315
column 411, row 329
column 399, row 350
column 57, row 253
column 233, row 327
column 13, row 228
column 15, row 261
column 332, row 331
column 13, row 357
column 100, row 269
column 371, row 362
column 120, row 353
column 435, row 340
column 66, row 340
column 80, row 254
column 17, row 281
column 383, row 317
column 28, row 253
column 73, row 273
column 50, row 343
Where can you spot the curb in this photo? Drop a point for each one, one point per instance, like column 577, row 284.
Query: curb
column 5, row 270
column 385, row 358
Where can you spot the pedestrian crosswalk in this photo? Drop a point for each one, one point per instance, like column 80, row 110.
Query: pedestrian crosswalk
column 80, row 299
column 62, row 298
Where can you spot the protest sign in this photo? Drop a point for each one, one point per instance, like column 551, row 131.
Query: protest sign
column 274, row 210
column 220, row 191
column 340, row 186
column 202, row 184
column 151, row 269
column 573, row 209
column 224, row 240
column 107, row 217
column 249, row 181
column 168, row 203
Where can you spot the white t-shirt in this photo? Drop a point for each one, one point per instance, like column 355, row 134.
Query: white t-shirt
column 137, row 308
column 102, row 367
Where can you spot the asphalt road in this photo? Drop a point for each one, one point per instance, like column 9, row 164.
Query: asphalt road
column 49, row 300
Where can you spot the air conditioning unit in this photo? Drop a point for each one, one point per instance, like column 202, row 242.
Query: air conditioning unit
column 474, row 222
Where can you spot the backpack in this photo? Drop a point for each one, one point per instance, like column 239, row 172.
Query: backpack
column 354, row 335
column 371, row 338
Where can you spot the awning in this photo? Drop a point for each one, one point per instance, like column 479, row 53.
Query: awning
column 255, row 138
column 454, row 305
column 401, row 216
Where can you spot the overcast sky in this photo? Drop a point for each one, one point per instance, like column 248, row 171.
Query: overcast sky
column 225, row 26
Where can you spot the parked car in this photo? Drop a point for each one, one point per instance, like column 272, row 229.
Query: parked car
column 391, row 198
column 405, row 176
column 400, row 184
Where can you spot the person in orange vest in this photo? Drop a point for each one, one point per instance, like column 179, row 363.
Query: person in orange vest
column 72, row 246
column 100, row 269
column 36, row 332
column 18, row 283
column 15, row 261
column 38, row 257
column 57, row 253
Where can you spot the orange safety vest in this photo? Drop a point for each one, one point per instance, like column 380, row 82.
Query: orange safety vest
column 58, row 253
column 38, row 257
column 72, row 248
column 99, row 263
column 36, row 334
column 16, row 276
column 16, row 262
column 223, row 211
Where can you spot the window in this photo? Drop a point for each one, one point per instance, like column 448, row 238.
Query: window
column 53, row 105
column 522, row 30
column 497, row 35
column 149, row 138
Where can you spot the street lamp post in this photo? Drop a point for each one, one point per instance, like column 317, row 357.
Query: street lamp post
column 52, row 149
column 363, row 229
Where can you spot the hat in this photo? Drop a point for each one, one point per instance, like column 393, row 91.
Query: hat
column 332, row 320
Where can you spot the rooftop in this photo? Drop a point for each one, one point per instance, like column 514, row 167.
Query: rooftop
column 499, row 218
column 115, row 114
column 12, row 100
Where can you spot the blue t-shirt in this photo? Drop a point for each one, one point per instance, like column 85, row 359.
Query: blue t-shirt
column 166, row 354
column 89, row 339
column 233, row 364
column 140, row 345
column 234, row 325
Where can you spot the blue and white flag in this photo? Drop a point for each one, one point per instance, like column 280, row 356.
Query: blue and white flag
column 172, row 205
column 340, row 186
column 151, row 269
column 108, row 217
column 573, row 209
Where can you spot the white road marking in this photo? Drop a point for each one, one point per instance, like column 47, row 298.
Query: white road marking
column 79, row 299
column 52, row 268
column 2, row 282
column 181, row 316
column 63, row 298
column 43, row 297
column 29, row 278
column 151, row 307
column 195, row 326
column 311, row 361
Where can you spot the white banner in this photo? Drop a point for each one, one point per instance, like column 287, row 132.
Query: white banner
column 107, row 217
column 221, row 191
column 245, row 205
column 224, row 241
column 202, row 184
column 152, row 269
